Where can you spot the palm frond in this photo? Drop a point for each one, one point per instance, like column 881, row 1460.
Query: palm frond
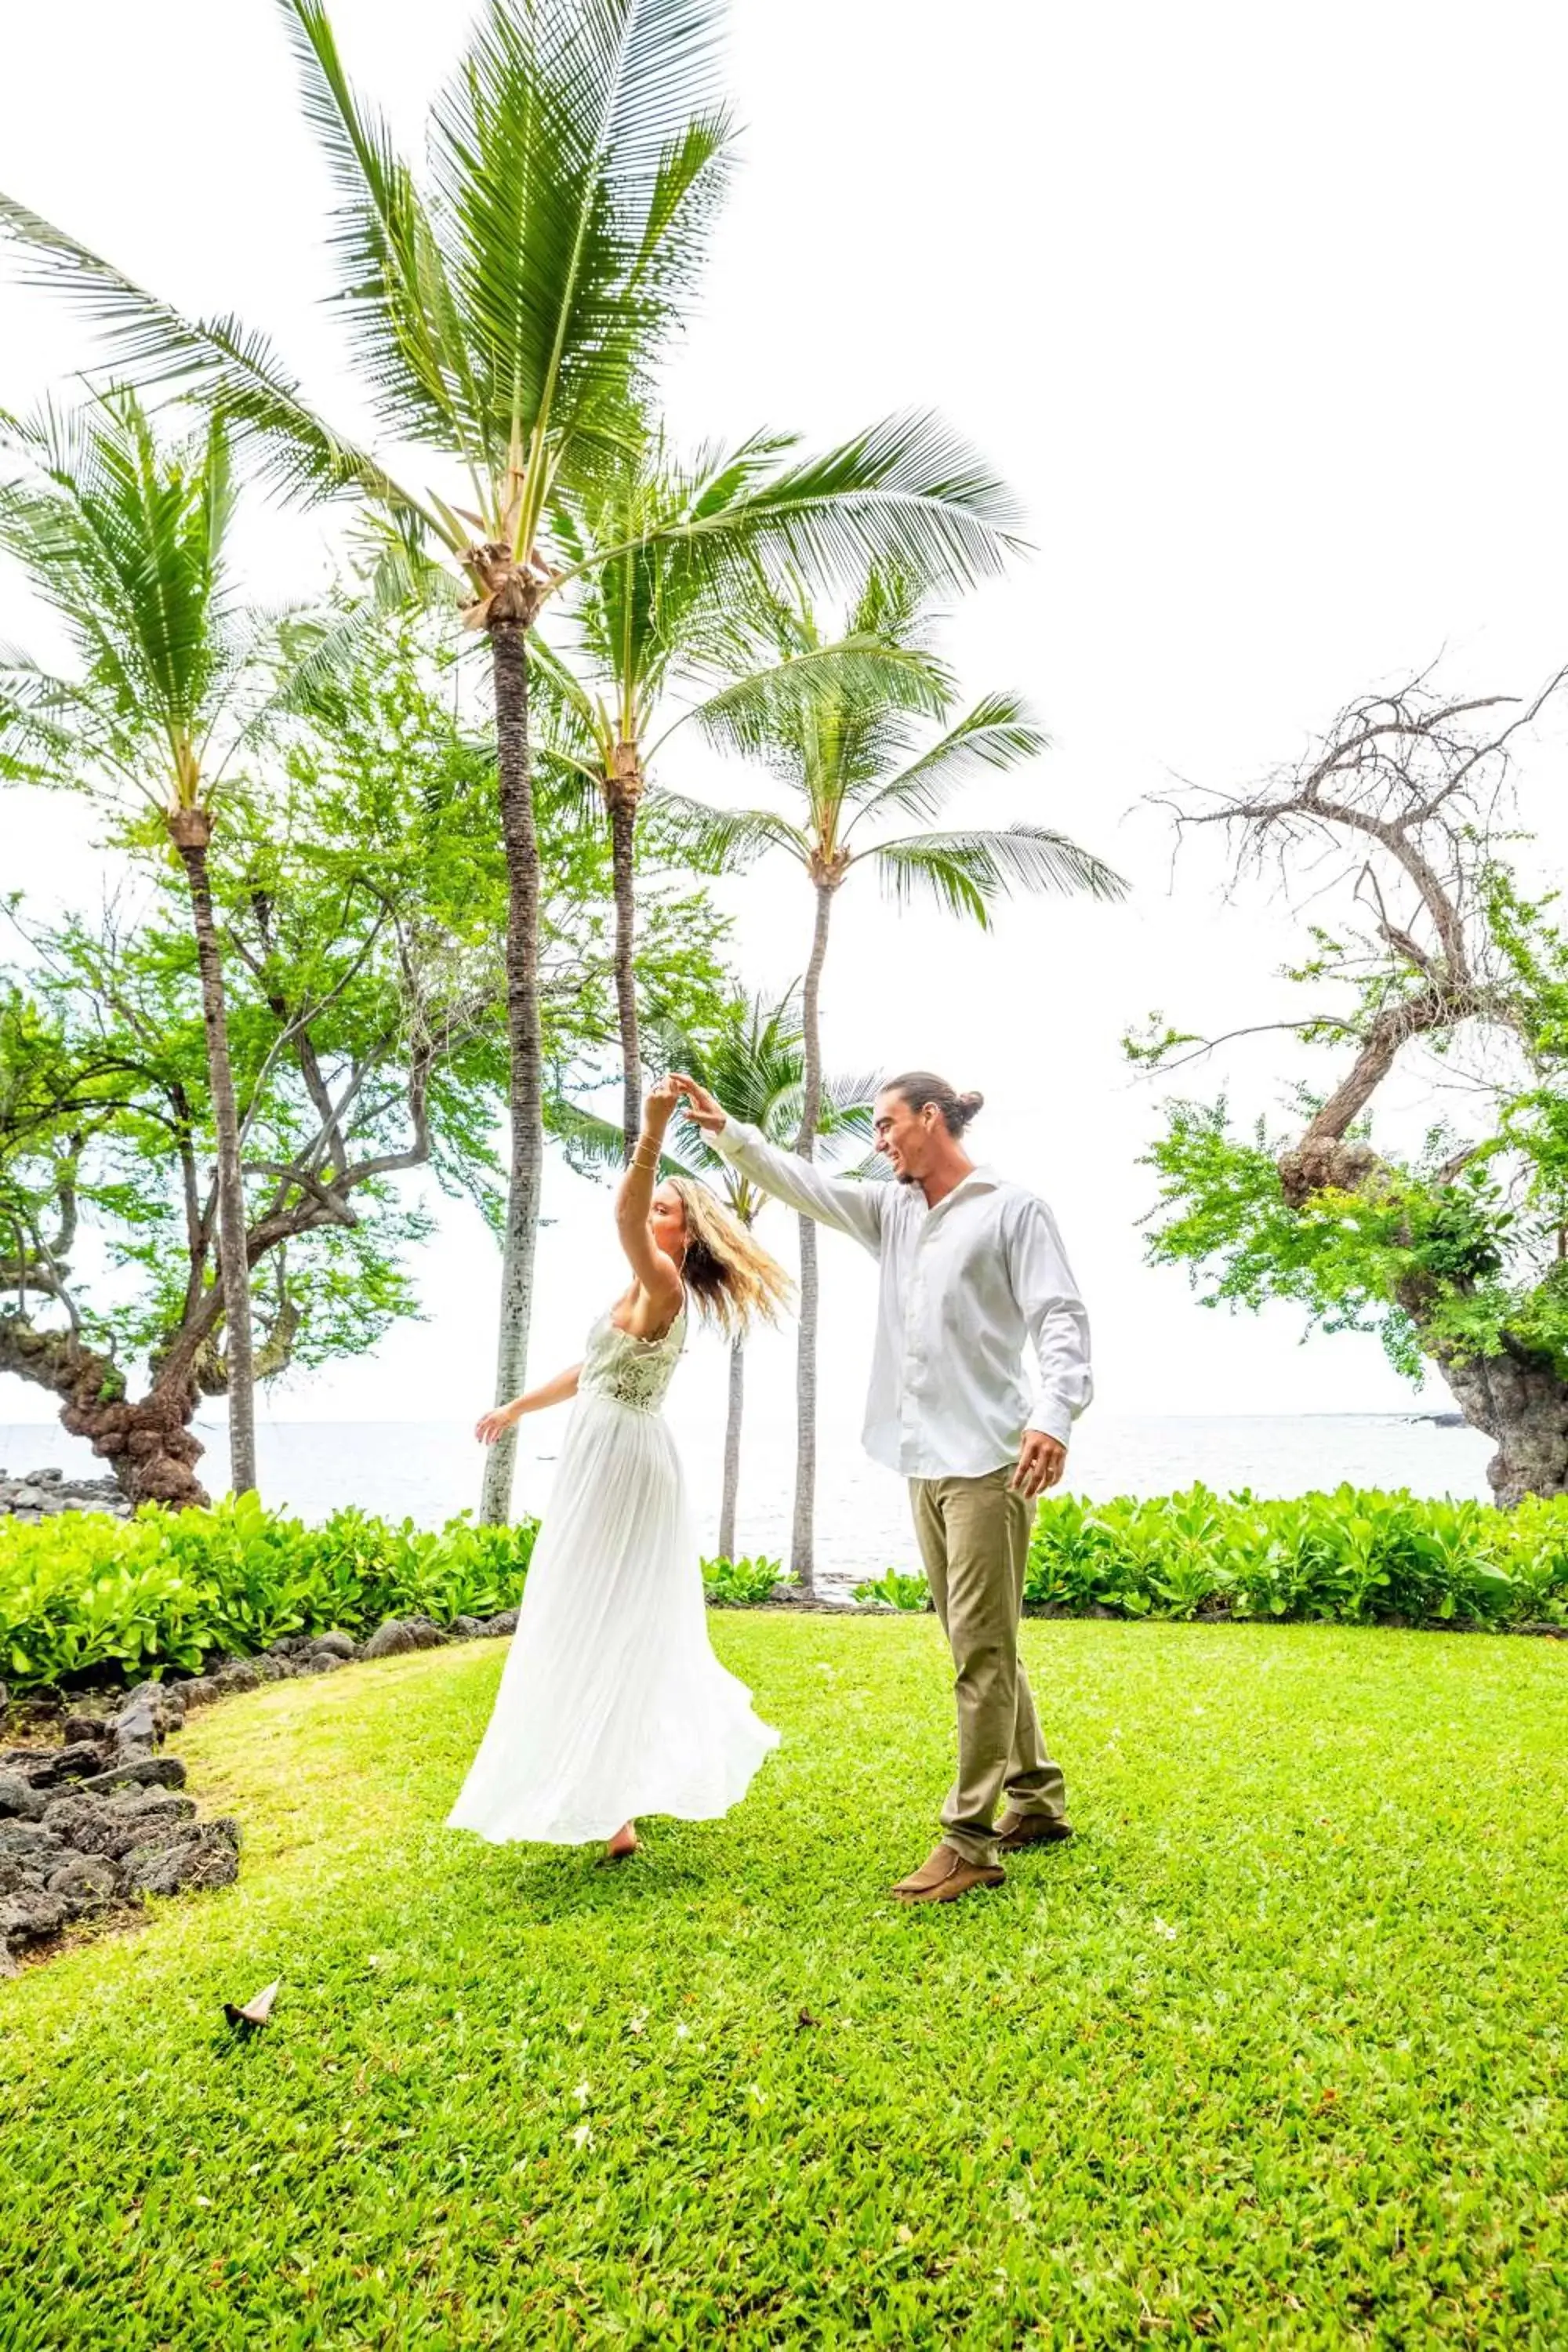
column 779, row 703
column 998, row 734
column 570, row 151
column 719, row 838
column 149, row 342
column 594, row 1143
column 314, row 658
column 905, row 494
column 847, row 1101
column 43, row 722
column 965, row 871
column 575, row 721
column 402, row 316
column 124, row 536
column 948, row 875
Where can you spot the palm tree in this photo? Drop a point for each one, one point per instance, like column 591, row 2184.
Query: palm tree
column 756, row 1066
column 849, row 751
column 508, row 316
column 127, row 540
column 652, row 621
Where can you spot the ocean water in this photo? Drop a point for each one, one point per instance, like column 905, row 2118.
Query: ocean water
column 428, row 1470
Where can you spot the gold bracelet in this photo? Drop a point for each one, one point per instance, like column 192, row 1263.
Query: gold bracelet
column 642, row 1146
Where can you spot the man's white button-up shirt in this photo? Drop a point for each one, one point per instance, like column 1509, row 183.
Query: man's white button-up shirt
column 964, row 1286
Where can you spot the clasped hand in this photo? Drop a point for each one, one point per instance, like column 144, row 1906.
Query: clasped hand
column 703, row 1109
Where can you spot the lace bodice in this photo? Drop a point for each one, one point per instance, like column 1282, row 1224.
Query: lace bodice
column 636, row 1372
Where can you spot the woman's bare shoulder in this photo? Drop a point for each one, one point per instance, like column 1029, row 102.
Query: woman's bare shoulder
column 648, row 1310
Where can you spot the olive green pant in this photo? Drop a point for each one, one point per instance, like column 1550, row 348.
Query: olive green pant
column 974, row 1539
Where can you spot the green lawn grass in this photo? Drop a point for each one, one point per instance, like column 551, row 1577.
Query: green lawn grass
column 1272, row 2054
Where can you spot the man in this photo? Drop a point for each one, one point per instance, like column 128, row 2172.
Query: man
column 973, row 1267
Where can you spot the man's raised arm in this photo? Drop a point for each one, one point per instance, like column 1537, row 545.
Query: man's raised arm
column 846, row 1202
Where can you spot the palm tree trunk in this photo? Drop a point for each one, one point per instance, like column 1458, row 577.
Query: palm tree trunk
column 732, row 1449
column 509, row 654
column 623, row 851
column 803, row 1558
column 191, row 831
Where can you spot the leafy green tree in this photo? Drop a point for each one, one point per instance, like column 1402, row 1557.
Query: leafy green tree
column 360, row 910
column 1456, row 1251
column 509, row 315
column 855, row 752
column 127, row 541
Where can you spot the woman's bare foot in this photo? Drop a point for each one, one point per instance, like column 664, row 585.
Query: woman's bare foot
column 623, row 1843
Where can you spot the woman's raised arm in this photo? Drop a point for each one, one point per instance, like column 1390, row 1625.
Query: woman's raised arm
column 657, row 1274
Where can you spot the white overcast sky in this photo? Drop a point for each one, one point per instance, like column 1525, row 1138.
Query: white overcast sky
column 1259, row 311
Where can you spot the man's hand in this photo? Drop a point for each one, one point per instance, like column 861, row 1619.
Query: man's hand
column 1041, row 1461
column 703, row 1109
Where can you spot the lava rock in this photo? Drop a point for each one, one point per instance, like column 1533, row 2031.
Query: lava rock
column 54, row 1492
column 86, row 1883
column 82, row 1729
column 14, row 1873
column 30, row 1912
column 504, row 1622
column 208, row 1859
column 327, row 1663
column 341, row 1647
column 161, row 1701
column 19, row 1801
column 136, row 1772
column 34, row 1843
column 242, row 1675
column 148, row 1811
column 198, row 1692
column 392, row 1640
column 135, row 1727
column 116, row 1826
column 5, row 1698
column 57, row 1765
column 85, row 1825
column 467, row 1629
column 288, row 1645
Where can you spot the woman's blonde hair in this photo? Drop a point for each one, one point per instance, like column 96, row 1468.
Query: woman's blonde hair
column 734, row 1279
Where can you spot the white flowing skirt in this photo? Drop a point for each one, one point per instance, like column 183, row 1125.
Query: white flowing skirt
column 612, row 1702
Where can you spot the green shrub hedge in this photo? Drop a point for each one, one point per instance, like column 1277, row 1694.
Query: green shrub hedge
column 79, row 1593
column 744, row 1583
column 168, row 1589
column 1354, row 1556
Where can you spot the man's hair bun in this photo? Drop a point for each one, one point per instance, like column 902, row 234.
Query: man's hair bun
column 919, row 1087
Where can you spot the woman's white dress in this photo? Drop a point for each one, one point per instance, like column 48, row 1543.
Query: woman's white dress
column 612, row 1702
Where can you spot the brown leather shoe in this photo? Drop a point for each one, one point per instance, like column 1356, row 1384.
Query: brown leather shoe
column 1016, row 1831
column 946, row 1877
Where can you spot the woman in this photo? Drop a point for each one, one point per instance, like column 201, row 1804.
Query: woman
column 613, row 1703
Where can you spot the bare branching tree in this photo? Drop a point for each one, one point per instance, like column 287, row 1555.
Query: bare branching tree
column 1398, row 819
